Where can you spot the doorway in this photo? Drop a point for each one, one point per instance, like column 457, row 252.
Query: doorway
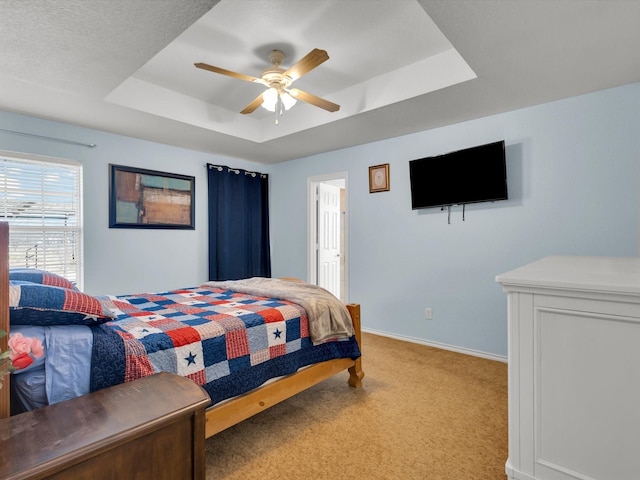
column 327, row 233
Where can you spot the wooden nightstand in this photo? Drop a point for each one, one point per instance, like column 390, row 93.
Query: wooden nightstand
column 152, row 428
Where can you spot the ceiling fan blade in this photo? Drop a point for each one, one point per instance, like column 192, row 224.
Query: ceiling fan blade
column 313, row 100
column 314, row 58
column 241, row 76
column 253, row 105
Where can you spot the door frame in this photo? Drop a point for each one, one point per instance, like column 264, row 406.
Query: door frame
column 312, row 228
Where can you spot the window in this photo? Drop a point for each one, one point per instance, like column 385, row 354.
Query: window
column 40, row 198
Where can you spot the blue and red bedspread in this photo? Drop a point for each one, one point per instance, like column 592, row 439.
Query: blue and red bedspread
column 227, row 342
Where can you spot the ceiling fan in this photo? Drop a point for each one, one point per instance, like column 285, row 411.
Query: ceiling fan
column 278, row 96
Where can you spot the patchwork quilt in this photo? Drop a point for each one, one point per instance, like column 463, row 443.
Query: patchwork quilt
column 227, row 342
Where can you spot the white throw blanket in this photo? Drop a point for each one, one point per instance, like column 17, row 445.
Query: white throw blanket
column 328, row 317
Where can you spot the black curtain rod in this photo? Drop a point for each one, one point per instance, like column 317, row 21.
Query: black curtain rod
column 236, row 170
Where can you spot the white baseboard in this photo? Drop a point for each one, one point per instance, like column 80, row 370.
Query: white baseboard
column 443, row 346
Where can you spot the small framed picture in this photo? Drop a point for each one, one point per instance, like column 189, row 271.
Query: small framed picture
column 379, row 178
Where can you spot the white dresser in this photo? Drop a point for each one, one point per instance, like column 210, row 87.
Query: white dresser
column 574, row 369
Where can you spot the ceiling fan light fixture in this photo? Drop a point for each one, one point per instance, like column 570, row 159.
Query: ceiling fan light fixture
column 287, row 100
column 270, row 99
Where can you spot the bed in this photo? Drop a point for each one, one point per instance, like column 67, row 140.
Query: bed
column 326, row 354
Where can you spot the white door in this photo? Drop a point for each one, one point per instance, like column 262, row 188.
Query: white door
column 329, row 217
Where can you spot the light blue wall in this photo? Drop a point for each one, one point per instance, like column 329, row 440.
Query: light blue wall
column 120, row 261
column 573, row 173
column 573, row 170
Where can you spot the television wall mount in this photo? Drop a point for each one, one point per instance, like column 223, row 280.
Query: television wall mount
column 448, row 207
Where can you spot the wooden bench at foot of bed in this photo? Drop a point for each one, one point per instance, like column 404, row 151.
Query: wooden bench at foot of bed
column 148, row 429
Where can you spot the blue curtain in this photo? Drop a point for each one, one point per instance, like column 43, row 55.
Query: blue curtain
column 238, row 224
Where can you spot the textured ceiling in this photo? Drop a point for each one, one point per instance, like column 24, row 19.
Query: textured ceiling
column 395, row 66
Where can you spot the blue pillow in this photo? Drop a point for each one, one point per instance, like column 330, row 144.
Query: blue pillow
column 40, row 276
column 36, row 304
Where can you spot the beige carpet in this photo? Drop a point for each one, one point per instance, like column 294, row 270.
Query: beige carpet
column 423, row 413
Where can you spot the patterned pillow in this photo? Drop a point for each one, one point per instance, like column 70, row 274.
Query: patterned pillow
column 36, row 304
column 40, row 276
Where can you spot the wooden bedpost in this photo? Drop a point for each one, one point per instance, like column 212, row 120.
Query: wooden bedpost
column 5, row 401
column 356, row 374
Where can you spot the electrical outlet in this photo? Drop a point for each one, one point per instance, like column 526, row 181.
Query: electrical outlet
column 428, row 313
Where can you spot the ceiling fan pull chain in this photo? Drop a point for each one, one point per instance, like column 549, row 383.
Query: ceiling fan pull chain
column 278, row 108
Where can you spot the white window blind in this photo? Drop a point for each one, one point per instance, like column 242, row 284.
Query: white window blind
column 41, row 202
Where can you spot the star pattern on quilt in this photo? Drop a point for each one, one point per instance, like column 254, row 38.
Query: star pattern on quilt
column 191, row 359
column 192, row 332
column 204, row 334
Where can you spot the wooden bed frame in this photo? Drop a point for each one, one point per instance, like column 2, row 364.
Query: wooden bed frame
column 227, row 413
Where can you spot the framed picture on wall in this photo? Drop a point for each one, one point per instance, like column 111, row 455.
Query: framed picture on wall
column 379, row 178
column 140, row 198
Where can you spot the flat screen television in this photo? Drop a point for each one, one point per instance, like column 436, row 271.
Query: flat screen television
column 472, row 175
